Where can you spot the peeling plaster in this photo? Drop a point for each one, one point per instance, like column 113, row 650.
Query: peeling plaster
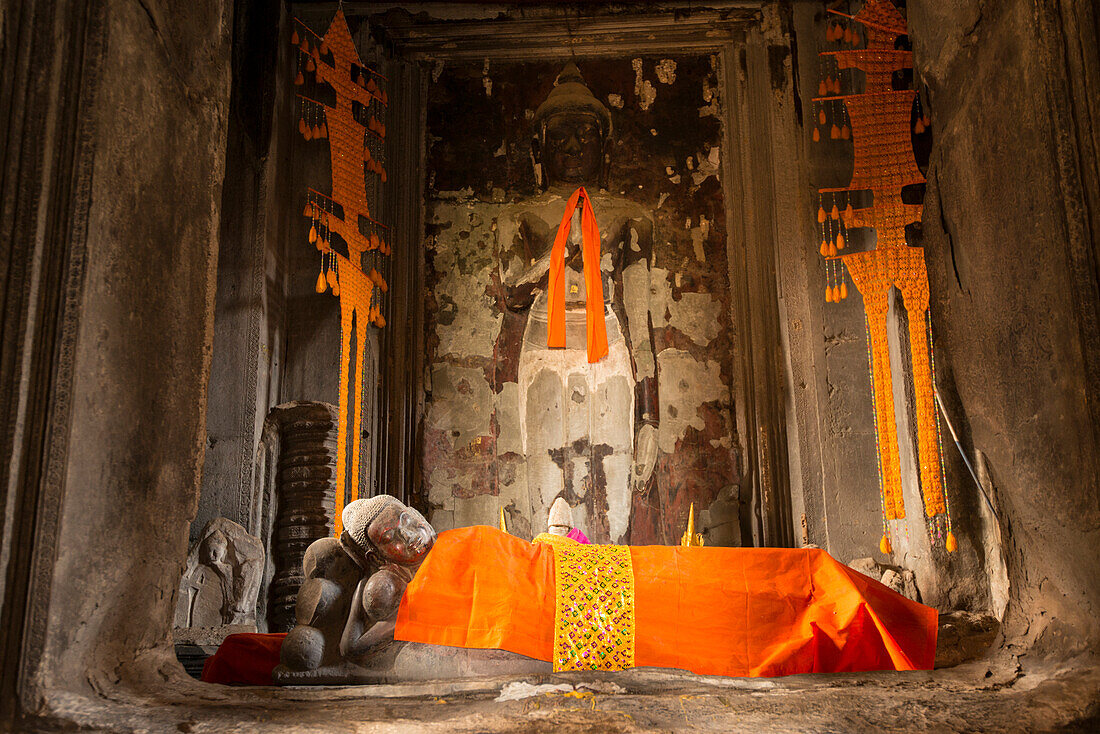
column 694, row 314
column 699, row 236
column 486, row 82
column 643, row 90
column 461, row 401
column 685, row 385
column 666, row 71
column 709, row 165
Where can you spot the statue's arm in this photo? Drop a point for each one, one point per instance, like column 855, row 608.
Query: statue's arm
column 637, row 258
column 373, row 615
column 521, row 272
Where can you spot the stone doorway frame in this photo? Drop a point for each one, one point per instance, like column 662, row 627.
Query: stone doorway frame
column 759, row 182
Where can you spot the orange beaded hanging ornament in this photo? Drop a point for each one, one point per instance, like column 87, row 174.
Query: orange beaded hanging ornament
column 878, row 122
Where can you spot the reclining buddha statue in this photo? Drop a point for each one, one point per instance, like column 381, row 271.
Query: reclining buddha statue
column 391, row 601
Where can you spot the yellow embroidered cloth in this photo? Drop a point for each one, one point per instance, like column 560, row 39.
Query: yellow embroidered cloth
column 594, row 614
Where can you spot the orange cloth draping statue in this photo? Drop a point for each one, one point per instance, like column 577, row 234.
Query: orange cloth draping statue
column 593, row 283
column 715, row 611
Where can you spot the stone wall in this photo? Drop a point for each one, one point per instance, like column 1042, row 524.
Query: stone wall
column 666, row 115
column 1012, row 256
column 140, row 360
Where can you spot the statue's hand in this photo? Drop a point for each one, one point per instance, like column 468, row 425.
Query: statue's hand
column 645, row 457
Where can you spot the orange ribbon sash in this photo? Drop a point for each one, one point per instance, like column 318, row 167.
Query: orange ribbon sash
column 593, row 284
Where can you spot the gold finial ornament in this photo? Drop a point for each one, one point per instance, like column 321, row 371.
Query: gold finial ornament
column 690, row 537
column 503, row 526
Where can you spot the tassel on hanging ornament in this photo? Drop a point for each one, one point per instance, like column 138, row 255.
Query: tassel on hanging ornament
column 951, row 545
column 322, row 285
column 310, row 66
column 821, row 215
column 294, row 38
column 313, row 234
column 884, row 545
column 843, row 290
column 822, row 88
column 817, row 135
column 840, row 242
column 845, row 133
column 821, row 117
column 299, row 80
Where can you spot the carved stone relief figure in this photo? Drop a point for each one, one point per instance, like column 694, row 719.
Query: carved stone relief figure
column 588, row 431
column 221, row 580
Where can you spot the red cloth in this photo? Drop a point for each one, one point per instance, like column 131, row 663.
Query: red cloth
column 593, row 283
column 244, row 659
column 713, row 611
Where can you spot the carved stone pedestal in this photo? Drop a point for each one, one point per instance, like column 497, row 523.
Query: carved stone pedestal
column 306, row 498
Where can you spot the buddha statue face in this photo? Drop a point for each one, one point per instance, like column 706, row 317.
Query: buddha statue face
column 572, row 148
column 572, row 130
column 214, row 549
column 401, row 535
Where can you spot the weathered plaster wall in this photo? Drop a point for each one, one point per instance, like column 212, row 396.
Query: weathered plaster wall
column 134, row 448
column 1013, row 268
column 666, row 115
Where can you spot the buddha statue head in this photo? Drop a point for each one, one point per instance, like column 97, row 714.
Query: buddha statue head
column 214, row 549
column 385, row 527
column 572, row 138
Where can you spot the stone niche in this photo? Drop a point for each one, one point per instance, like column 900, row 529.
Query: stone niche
column 665, row 159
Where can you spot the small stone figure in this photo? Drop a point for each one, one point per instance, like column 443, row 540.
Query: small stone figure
column 220, row 583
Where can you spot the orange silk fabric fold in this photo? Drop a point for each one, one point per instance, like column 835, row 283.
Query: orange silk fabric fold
column 714, row 611
column 593, row 283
